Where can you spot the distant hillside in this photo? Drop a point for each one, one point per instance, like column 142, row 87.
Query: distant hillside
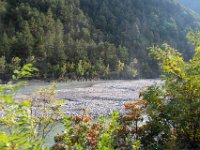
column 138, row 24
column 192, row 4
column 90, row 38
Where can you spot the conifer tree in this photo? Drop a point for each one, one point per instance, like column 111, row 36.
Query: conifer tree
column 23, row 43
column 5, row 46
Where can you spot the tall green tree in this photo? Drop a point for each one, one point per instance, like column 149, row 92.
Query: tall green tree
column 22, row 45
column 5, row 44
column 173, row 108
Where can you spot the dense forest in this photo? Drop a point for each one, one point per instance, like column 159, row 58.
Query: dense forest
column 100, row 39
column 90, row 38
column 165, row 116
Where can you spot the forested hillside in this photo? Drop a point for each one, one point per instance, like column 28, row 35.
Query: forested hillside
column 58, row 38
column 89, row 38
column 192, row 4
column 138, row 24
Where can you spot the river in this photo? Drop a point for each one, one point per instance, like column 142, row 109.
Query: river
column 100, row 97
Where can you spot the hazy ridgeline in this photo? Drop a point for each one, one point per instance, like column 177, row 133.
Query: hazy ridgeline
column 192, row 4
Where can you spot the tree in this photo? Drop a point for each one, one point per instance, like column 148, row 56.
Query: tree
column 83, row 68
column 50, row 34
column 3, row 6
column 17, row 130
column 23, row 43
column 5, row 46
column 58, row 53
column 173, row 108
column 2, row 65
column 58, row 32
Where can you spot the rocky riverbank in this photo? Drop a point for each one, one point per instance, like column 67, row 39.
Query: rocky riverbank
column 102, row 98
column 99, row 97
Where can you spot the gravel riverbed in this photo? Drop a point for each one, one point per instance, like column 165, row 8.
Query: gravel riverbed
column 102, row 98
column 99, row 97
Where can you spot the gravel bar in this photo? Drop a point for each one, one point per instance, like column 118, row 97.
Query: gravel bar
column 99, row 97
column 102, row 98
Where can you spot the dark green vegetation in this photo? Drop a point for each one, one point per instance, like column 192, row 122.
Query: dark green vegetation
column 172, row 108
column 192, row 4
column 90, row 38
column 138, row 24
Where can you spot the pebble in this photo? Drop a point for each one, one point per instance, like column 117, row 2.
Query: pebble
column 102, row 98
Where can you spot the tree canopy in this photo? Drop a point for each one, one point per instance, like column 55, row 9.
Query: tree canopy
column 89, row 38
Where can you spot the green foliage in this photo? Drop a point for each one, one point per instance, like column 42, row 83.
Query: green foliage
column 103, row 133
column 106, row 140
column 63, row 71
column 173, row 107
column 136, row 145
column 45, row 110
column 25, row 72
column 5, row 45
column 26, row 122
column 194, row 37
column 15, row 63
column 58, row 32
column 2, row 64
column 17, row 128
column 130, row 71
column 83, row 68
column 137, row 25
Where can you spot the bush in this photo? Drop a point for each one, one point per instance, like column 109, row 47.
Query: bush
column 173, row 107
column 103, row 133
column 172, row 110
column 21, row 127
